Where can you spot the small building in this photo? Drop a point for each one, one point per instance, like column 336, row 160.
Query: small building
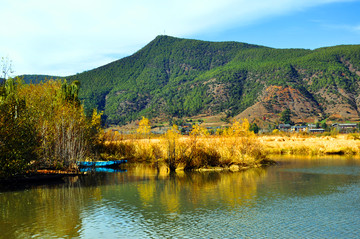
column 345, row 127
column 299, row 128
column 311, row 126
column 213, row 130
column 284, row 127
column 185, row 129
column 320, row 130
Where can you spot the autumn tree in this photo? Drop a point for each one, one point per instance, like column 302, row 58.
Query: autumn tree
column 67, row 135
column 18, row 137
column 171, row 138
column 196, row 132
column 144, row 127
column 239, row 128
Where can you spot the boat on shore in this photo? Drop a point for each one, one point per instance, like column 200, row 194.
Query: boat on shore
column 101, row 170
column 104, row 164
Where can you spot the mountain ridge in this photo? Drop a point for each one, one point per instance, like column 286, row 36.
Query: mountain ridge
column 174, row 77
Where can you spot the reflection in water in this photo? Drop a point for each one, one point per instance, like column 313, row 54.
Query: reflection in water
column 199, row 188
column 41, row 211
column 299, row 197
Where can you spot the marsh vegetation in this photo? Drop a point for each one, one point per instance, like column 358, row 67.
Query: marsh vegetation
column 234, row 148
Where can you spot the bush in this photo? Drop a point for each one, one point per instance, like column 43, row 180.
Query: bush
column 202, row 157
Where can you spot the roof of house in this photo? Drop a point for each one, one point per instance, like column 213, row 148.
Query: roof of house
column 284, row 125
column 298, row 127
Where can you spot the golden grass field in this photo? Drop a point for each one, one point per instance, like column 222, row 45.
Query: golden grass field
column 234, row 149
column 348, row 144
column 190, row 152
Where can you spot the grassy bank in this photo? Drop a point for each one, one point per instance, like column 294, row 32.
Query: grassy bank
column 346, row 144
column 226, row 151
column 234, row 151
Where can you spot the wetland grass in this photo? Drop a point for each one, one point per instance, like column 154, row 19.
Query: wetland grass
column 235, row 148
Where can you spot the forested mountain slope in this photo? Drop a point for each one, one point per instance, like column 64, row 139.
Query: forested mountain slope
column 173, row 77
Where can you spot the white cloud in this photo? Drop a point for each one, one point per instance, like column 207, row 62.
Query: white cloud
column 63, row 37
column 342, row 27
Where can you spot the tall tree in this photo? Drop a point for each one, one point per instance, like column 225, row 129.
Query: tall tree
column 286, row 116
column 6, row 67
column 18, row 137
column 144, row 126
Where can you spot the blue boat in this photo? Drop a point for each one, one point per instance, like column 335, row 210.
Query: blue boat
column 101, row 170
column 104, row 164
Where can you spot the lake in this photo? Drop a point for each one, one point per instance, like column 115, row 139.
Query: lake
column 299, row 198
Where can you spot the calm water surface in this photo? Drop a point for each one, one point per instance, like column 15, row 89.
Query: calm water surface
column 300, row 198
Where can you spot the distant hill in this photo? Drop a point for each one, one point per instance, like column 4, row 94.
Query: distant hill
column 38, row 78
column 173, row 77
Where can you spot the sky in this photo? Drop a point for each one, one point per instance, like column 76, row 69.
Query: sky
column 67, row 37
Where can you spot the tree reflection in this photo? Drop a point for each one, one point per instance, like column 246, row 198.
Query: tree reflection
column 144, row 197
column 53, row 211
column 201, row 188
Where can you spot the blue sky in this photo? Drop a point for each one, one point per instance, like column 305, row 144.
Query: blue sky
column 70, row 36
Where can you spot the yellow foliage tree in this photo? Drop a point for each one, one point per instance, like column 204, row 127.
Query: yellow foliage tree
column 66, row 134
column 171, row 138
column 239, row 128
column 96, row 120
column 144, row 126
column 197, row 130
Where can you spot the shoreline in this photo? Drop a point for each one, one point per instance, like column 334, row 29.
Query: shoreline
column 272, row 145
column 38, row 176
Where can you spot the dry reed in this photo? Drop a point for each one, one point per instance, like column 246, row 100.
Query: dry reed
column 311, row 145
column 234, row 149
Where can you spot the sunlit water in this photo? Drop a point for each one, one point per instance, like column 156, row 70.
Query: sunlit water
column 300, row 198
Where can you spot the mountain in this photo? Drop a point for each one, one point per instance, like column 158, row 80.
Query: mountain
column 38, row 78
column 173, row 77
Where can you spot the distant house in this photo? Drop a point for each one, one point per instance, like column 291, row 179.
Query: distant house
column 185, row 128
column 213, row 130
column 312, row 130
column 298, row 128
column 284, row 127
column 346, row 127
column 311, row 126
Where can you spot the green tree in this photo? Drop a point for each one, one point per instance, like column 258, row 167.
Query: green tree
column 285, row 116
column 254, row 127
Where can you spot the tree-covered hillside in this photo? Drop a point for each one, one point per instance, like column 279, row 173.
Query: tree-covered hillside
column 35, row 79
column 173, row 77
